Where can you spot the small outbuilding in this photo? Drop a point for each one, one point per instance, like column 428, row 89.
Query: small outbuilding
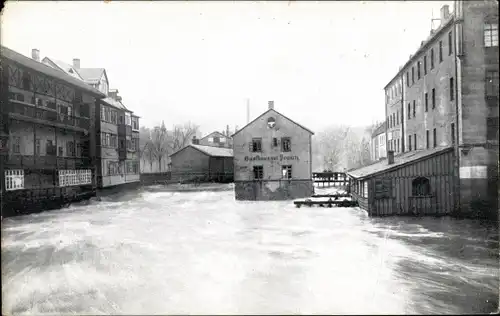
column 419, row 182
column 202, row 163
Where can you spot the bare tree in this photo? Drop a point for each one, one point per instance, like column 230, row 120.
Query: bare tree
column 330, row 144
column 181, row 135
column 159, row 144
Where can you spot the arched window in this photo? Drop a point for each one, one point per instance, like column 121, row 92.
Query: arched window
column 421, row 186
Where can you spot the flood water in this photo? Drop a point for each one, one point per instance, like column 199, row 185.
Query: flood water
column 160, row 252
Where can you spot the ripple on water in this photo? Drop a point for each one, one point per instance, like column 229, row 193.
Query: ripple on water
column 204, row 252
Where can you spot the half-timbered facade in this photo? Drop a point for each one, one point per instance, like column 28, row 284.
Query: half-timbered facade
column 272, row 159
column 48, row 134
column 117, row 128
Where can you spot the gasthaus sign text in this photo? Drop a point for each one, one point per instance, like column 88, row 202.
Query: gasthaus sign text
column 264, row 158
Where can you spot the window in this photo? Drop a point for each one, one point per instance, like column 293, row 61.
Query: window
column 409, row 110
column 133, row 143
column 128, row 119
column 426, row 101
column 412, row 75
column 103, row 113
column 114, row 141
column 492, row 128
column 434, row 134
column 108, row 139
column 415, row 141
column 286, row 172
column 14, row 179
column 440, row 51
column 365, row 189
column 450, row 43
column 256, row 145
column 286, row 144
column 37, row 146
column 70, row 149
column 452, row 89
column 26, row 82
column 421, row 186
column 407, row 79
column 418, row 70
column 453, row 133
column 16, row 144
column 114, row 117
column 275, row 142
column 491, row 35
column 397, row 145
column 409, row 142
column 425, row 65
column 433, row 98
column 50, row 148
column 258, row 172
column 135, row 123
column 491, row 83
column 414, row 109
column 427, row 139
column 61, row 152
column 397, row 118
column 432, row 58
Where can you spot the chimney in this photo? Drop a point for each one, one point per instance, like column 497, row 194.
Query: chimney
column 270, row 105
column 390, row 157
column 195, row 140
column 227, row 131
column 76, row 63
column 35, row 54
column 445, row 13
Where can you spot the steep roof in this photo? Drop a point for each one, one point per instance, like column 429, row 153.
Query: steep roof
column 91, row 75
column 47, row 70
column 116, row 104
column 68, row 69
column 379, row 130
column 399, row 161
column 209, row 150
column 276, row 113
column 216, row 134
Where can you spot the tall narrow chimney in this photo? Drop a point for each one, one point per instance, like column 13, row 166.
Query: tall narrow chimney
column 270, row 105
column 390, row 157
column 445, row 13
column 227, row 131
column 35, row 54
column 76, row 63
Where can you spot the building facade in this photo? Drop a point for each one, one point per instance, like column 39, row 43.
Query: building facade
column 48, row 135
column 378, row 143
column 117, row 128
column 217, row 139
column 449, row 97
column 272, row 159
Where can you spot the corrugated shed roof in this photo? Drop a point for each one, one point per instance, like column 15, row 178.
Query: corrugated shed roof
column 399, row 161
column 209, row 150
column 91, row 75
column 47, row 70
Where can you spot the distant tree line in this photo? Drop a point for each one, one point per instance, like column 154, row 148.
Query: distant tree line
column 341, row 148
column 158, row 143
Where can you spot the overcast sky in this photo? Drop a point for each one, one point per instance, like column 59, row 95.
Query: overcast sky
column 322, row 63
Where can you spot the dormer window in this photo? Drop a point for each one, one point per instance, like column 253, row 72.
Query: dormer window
column 71, row 71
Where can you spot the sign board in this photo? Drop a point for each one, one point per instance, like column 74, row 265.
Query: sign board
column 271, row 158
column 383, row 188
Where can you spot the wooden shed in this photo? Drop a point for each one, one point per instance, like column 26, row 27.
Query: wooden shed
column 420, row 182
column 203, row 163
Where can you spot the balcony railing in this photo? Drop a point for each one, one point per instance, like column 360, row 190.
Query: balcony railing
column 45, row 114
column 46, row 162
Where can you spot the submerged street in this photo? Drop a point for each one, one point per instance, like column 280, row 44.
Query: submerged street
column 161, row 252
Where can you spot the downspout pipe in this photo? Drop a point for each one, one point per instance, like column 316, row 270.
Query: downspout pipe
column 456, row 22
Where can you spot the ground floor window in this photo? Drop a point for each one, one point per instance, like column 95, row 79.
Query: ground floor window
column 14, row 179
column 286, row 171
column 74, row 177
column 258, row 172
column 421, row 186
column 365, row 189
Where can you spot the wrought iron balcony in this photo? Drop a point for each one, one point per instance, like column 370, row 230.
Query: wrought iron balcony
column 42, row 115
column 46, row 162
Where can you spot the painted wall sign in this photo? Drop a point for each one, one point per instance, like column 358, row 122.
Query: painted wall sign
column 271, row 158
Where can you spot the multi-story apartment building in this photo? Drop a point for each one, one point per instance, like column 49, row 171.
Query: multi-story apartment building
column 394, row 135
column 48, row 129
column 117, row 128
column 449, row 97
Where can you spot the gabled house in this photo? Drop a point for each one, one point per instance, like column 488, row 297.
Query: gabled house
column 217, row 139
